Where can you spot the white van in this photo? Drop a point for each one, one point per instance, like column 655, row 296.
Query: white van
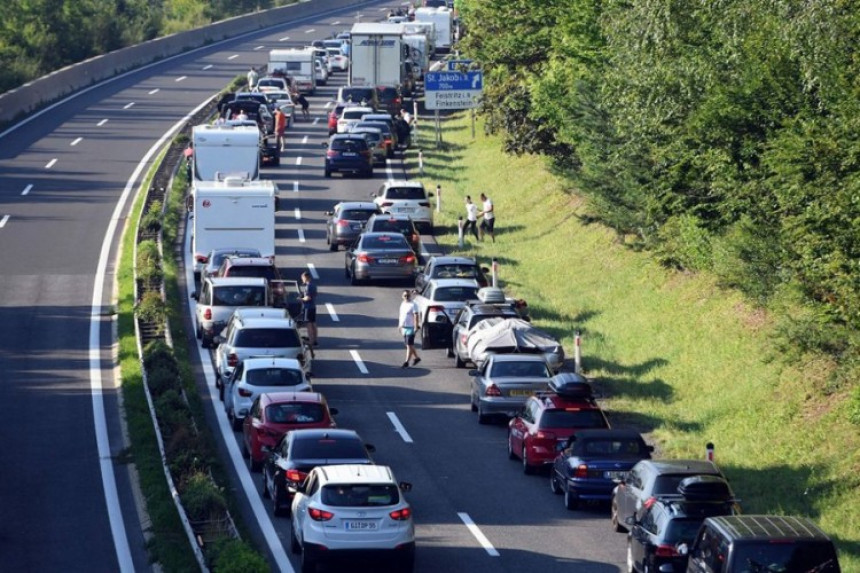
column 222, row 151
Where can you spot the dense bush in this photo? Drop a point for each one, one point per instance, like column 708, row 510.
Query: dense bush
column 152, row 309
column 203, row 500
column 236, row 556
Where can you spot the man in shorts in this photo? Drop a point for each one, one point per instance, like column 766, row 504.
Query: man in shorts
column 489, row 217
column 408, row 324
column 309, row 308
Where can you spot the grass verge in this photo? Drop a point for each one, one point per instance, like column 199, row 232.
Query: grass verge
column 675, row 356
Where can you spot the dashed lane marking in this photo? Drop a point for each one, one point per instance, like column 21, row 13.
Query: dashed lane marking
column 482, row 539
column 359, row 362
column 398, row 427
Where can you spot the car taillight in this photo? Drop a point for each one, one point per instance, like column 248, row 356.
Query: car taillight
column 295, row 476
column 436, row 308
column 397, row 101
column 492, row 390
column 649, row 502
column 331, row 153
column 319, row 514
column 388, row 141
column 581, row 471
column 365, row 153
column 541, row 435
column 666, row 551
column 232, row 360
column 343, row 223
column 202, row 259
column 387, row 203
column 207, row 314
column 407, row 259
column 363, row 258
column 401, row 514
column 245, row 393
column 463, row 338
column 424, row 203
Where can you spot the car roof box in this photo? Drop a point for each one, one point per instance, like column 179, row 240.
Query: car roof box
column 570, row 385
column 705, row 488
column 491, row 295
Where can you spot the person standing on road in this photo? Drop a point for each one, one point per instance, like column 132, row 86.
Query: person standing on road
column 309, row 308
column 408, row 324
column 471, row 217
column 489, row 217
column 252, row 79
column 280, row 127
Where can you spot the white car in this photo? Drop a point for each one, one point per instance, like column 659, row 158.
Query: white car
column 255, row 376
column 342, row 510
column 282, row 100
column 406, row 197
column 438, row 303
column 337, row 59
column 350, row 116
column 322, row 72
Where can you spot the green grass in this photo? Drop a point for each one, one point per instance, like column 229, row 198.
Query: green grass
column 675, row 356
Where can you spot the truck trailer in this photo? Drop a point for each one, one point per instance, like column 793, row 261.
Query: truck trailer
column 379, row 56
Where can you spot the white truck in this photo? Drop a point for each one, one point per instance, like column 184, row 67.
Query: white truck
column 222, row 151
column 296, row 64
column 379, row 56
column 233, row 212
column 443, row 20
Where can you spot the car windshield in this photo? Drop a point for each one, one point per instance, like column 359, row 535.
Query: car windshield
column 370, row 495
column 455, row 294
column 604, row 447
column 356, row 214
column 581, row 419
column 329, row 448
column 239, row 296
column 405, row 193
column 295, row 413
column 520, row 369
column 267, row 338
column 455, row 272
column 274, row 377
column 780, row 555
column 385, row 242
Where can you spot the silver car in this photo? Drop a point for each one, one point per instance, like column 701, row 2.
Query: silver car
column 504, row 383
column 438, row 303
column 380, row 256
column 219, row 297
column 255, row 376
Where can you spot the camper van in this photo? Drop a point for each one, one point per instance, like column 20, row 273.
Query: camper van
column 222, row 151
column 297, row 64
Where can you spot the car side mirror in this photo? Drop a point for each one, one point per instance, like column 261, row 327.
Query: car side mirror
column 650, row 448
column 302, row 487
column 329, row 213
column 474, row 373
column 405, row 486
column 266, row 449
column 430, row 195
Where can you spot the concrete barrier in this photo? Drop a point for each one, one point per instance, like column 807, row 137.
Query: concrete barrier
column 22, row 101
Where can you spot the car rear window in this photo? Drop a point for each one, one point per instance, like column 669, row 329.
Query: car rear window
column 520, row 369
column 682, row 530
column 383, row 127
column 349, row 145
column 581, row 419
column 295, row 413
column 405, row 193
column 668, row 484
column 353, row 113
column 356, row 94
column 392, row 226
column 606, row 447
column 267, row 338
column 387, row 93
column 262, row 271
column 274, row 377
column 363, row 495
column 329, row 448
column 455, row 294
column 238, row 296
column 385, row 242
column 782, row 555
column 455, row 272
column 357, row 214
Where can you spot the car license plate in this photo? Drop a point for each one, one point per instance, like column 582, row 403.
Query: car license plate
column 614, row 475
column 387, row 261
column 356, row 525
column 405, row 209
column 349, row 154
column 520, row 392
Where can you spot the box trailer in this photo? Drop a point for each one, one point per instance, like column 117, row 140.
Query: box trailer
column 443, row 20
column 222, row 151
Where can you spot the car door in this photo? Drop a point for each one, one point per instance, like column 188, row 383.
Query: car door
column 628, row 492
column 520, row 426
column 301, row 501
column 232, row 386
column 422, row 277
column 643, row 535
column 251, row 426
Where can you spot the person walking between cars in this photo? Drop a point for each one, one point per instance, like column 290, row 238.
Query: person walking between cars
column 280, row 127
column 489, row 217
column 252, row 79
column 471, row 217
column 309, row 308
column 303, row 101
column 408, row 324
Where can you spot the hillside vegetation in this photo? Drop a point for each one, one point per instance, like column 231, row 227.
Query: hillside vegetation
column 40, row 36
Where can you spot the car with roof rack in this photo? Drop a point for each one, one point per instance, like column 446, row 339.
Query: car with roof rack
column 438, row 302
column 490, row 303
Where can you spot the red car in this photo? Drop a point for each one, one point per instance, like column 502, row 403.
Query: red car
column 274, row 414
column 549, row 419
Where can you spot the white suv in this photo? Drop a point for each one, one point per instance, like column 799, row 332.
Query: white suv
column 343, row 510
column 408, row 198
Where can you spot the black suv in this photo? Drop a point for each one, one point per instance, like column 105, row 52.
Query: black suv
column 665, row 527
column 349, row 152
column 761, row 543
column 364, row 95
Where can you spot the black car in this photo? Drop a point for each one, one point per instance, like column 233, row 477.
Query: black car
column 364, row 95
column 390, row 99
column 299, row 451
column 664, row 529
column 396, row 223
column 254, row 111
column 350, row 153
column 346, row 221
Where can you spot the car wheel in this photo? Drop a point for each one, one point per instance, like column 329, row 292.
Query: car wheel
column 449, row 352
column 352, row 278
column 346, row 271
column 511, row 454
column 235, row 422
column 570, row 501
column 221, row 391
column 332, row 246
column 295, row 546
column 254, row 465
column 277, row 510
column 482, row 418
column 613, row 518
column 204, row 342
column 631, row 568
column 458, row 362
column 528, row 469
column 553, row 483
column 472, row 405
column 265, row 489
column 308, row 564
column 327, row 174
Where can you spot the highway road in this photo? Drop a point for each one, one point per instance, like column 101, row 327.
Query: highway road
column 65, row 177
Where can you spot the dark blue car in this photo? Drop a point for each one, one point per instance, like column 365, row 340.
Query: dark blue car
column 593, row 461
column 349, row 153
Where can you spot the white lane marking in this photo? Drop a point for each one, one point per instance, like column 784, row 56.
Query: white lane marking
column 180, row 78
column 128, row 105
column 398, row 427
column 304, row 140
column 389, row 170
column 310, row 31
column 209, row 66
column 331, row 312
column 336, row 23
column 328, row 104
column 102, row 122
column 259, row 48
column 298, row 214
column 316, row 120
column 284, row 39
column 3, row 221
column 298, row 160
column 301, row 235
column 313, row 270
column 482, row 539
column 359, row 362
column 51, row 163
column 27, row 189
column 155, row 91
column 295, row 186
column 77, row 141
column 233, row 57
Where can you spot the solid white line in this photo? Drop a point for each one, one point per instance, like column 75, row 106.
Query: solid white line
column 295, row 186
column 180, row 78
column 102, row 122
column 259, row 48
column 298, row 214
column 330, row 308
column 398, row 427
column 51, row 163
column 27, row 189
column 233, row 57
column 313, row 270
column 304, row 140
column 3, row 221
column 485, row 543
column 77, row 141
column 359, row 362
column 284, row 39
column 301, row 235
column 208, row 67
column 298, row 160
column 128, row 105
column 153, row 92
